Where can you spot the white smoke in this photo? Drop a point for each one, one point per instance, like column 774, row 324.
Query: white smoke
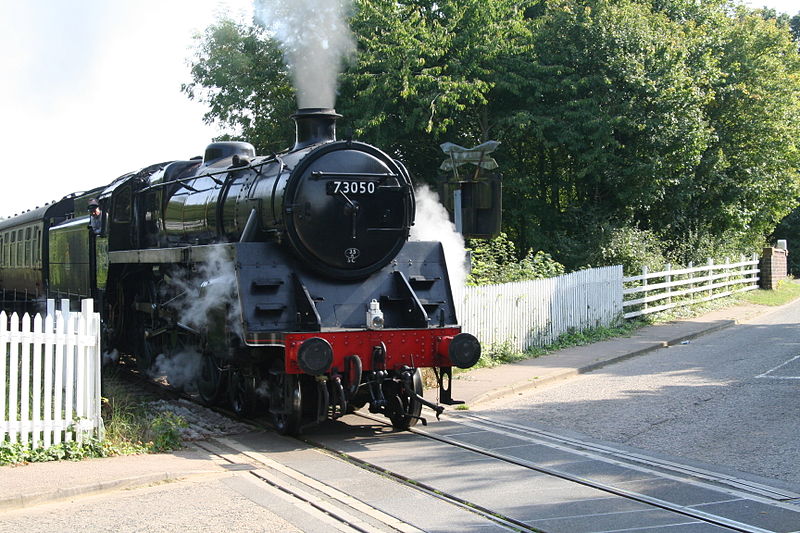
column 432, row 223
column 110, row 357
column 206, row 294
column 209, row 290
column 179, row 369
column 262, row 391
column 315, row 39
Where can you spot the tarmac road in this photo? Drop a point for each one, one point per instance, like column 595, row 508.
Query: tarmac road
column 216, row 502
column 728, row 398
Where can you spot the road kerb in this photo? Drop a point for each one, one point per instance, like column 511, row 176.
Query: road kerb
column 21, row 501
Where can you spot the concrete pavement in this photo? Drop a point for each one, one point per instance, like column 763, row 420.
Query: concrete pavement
column 485, row 384
column 38, row 483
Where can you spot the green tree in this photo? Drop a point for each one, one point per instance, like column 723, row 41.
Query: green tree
column 611, row 119
column 240, row 74
column 748, row 177
column 676, row 120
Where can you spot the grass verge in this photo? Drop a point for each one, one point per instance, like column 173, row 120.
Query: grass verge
column 787, row 291
column 504, row 352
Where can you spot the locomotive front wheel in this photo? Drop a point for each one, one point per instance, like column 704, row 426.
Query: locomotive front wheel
column 210, row 384
column 240, row 393
column 404, row 409
column 287, row 409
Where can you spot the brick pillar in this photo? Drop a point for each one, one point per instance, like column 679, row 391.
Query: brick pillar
column 773, row 267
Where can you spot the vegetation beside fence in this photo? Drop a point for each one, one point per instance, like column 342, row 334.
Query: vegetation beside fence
column 504, row 352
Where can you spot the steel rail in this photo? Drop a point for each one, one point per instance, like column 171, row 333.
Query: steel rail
column 302, row 489
column 492, row 516
column 503, row 521
column 765, row 493
column 708, row 518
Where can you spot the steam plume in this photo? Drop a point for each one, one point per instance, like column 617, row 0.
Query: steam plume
column 198, row 307
column 432, row 223
column 315, row 39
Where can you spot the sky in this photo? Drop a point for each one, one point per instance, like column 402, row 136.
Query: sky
column 792, row 7
column 90, row 90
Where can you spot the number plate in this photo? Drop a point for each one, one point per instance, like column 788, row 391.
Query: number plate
column 352, row 187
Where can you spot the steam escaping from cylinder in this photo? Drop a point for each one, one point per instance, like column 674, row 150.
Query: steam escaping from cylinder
column 432, row 223
column 315, row 39
column 200, row 305
column 180, row 369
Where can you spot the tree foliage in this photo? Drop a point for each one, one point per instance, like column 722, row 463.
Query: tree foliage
column 240, row 73
column 672, row 121
column 496, row 261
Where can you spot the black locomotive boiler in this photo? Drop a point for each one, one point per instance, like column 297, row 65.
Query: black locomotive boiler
column 289, row 276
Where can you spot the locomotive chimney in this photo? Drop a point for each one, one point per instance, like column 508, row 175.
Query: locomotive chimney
column 314, row 125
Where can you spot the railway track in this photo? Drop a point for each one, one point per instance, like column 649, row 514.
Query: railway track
column 326, row 503
column 735, row 485
column 717, row 508
column 771, row 507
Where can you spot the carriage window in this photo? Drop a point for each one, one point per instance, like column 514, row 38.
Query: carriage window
column 36, row 255
column 20, row 248
column 12, row 257
column 2, row 251
column 28, row 259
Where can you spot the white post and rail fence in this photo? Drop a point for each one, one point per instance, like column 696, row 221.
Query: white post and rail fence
column 652, row 292
column 50, row 376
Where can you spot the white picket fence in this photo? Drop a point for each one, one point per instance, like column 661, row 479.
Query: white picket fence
column 50, row 376
column 687, row 286
column 537, row 312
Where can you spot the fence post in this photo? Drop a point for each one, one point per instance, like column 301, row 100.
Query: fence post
column 25, row 388
column 58, row 378
column 710, row 274
column 36, row 415
column 13, row 380
column 3, row 335
column 756, row 281
column 727, row 273
column 645, row 271
column 690, row 275
column 742, row 268
column 49, row 372
column 668, row 281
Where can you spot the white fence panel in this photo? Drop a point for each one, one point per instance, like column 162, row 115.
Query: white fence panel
column 50, row 376
column 536, row 312
column 698, row 284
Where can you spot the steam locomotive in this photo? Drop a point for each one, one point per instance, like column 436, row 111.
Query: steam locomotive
column 289, row 277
